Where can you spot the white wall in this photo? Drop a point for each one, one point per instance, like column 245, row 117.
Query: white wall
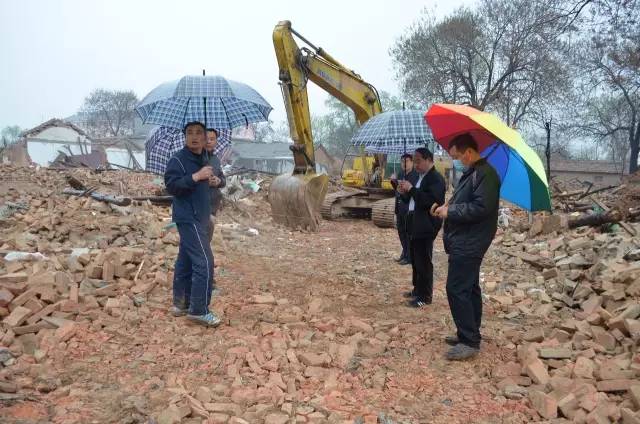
column 60, row 134
column 121, row 157
column 45, row 146
column 45, row 152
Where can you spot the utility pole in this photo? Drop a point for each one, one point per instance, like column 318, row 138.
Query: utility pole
column 547, row 150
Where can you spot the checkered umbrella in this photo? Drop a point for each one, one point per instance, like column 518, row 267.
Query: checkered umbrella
column 397, row 131
column 213, row 100
column 166, row 141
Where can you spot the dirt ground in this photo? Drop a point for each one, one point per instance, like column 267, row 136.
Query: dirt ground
column 335, row 288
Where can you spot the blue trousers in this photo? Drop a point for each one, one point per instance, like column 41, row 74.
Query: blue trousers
column 193, row 275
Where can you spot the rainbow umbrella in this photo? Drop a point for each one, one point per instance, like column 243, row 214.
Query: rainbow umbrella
column 520, row 169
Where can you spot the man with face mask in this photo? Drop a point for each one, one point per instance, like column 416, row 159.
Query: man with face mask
column 187, row 180
column 471, row 220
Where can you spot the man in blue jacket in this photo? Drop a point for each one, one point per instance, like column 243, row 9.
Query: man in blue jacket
column 187, row 180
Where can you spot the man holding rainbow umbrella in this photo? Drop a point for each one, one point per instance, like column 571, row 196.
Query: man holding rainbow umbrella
column 499, row 164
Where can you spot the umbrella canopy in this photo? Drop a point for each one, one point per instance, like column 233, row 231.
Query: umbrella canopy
column 213, row 100
column 166, row 141
column 524, row 181
column 396, row 131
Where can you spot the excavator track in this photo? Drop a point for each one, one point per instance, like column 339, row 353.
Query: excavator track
column 383, row 213
column 331, row 209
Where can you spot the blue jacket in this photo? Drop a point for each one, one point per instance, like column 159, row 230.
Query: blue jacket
column 191, row 200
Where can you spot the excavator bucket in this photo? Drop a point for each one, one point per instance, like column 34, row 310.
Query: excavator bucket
column 295, row 200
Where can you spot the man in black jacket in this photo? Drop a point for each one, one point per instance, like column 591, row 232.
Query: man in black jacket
column 217, row 181
column 471, row 221
column 421, row 195
column 402, row 208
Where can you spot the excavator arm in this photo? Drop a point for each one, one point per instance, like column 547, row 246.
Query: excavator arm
column 299, row 65
column 296, row 198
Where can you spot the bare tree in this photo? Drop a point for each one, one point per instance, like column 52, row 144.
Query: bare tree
column 502, row 55
column 608, row 73
column 10, row 134
column 109, row 113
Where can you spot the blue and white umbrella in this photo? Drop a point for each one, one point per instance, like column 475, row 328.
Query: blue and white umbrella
column 213, row 100
column 394, row 132
column 166, row 141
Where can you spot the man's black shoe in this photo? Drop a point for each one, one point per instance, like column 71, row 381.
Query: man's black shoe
column 404, row 262
column 419, row 303
column 409, row 294
column 461, row 352
column 451, row 340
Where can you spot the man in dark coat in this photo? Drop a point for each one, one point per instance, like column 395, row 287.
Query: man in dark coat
column 217, row 181
column 421, row 195
column 402, row 208
column 471, row 221
column 187, row 180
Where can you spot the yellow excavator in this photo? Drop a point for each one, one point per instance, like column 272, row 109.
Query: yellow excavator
column 298, row 200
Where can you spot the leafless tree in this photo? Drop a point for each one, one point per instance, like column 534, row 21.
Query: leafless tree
column 504, row 56
column 109, row 113
column 608, row 74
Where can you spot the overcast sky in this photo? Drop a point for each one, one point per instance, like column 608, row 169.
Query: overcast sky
column 54, row 53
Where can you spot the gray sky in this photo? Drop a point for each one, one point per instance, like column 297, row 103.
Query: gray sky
column 54, row 53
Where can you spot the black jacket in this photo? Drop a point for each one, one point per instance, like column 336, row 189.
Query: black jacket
column 401, row 207
column 432, row 190
column 216, row 194
column 191, row 200
column 472, row 218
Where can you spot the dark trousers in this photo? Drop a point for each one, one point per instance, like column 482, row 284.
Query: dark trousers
column 193, row 276
column 403, row 235
column 465, row 298
column 421, row 261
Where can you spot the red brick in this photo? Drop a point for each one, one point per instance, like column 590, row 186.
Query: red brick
column 544, row 404
column 15, row 277
column 43, row 313
column 614, row 385
column 22, row 299
column 73, row 292
column 17, row 316
column 537, row 370
column 5, row 297
column 65, row 332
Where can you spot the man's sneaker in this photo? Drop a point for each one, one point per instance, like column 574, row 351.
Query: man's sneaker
column 177, row 312
column 451, row 340
column 409, row 294
column 461, row 351
column 399, row 258
column 208, row 320
column 419, row 303
column 404, row 261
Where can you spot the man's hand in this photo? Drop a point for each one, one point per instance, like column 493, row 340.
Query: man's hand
column 214, row 181
column 441, row 211
column 404, row 186
column 433, row 209
column 204, row 173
